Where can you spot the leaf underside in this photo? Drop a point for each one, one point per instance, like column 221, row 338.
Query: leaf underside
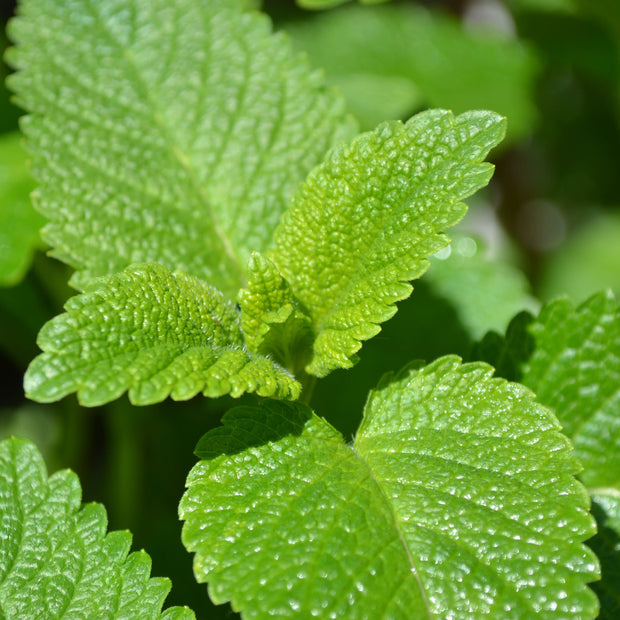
column 168, row 132
column 155, row 334
column 455, row 500
column 571, row 358
column 364, row 222
column 56, row 560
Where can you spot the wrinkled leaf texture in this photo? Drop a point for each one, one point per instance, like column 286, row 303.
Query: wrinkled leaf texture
column 364, row 222
column 56, row 559
column 168, row 132
column 155, row 334
column 456, row 499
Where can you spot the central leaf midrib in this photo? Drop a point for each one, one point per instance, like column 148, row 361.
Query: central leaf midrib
column 401, row 535
column 179, row 155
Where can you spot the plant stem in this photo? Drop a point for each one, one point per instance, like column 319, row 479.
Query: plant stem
column 125, row 463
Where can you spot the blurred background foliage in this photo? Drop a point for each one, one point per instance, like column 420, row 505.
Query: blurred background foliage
column 548, row 225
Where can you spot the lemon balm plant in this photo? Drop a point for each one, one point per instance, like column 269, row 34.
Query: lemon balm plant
column 231, row 234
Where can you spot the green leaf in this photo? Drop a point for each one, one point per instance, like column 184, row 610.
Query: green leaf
column 606, row 545
column 587, row 262
column 456, row 500
column 571, row 359
column 154, row 333
column 56, row 560
column 364, row 222
column 19, row 222
column 165, row 131
column 459, row 298
column 390, row 61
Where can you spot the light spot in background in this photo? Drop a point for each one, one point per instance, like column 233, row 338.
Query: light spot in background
column 466, row 246
column 489, row 14
column 482, row 222
column 444, row 253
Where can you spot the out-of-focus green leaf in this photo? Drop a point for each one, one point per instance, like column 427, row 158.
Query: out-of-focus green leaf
column 552, row 6
column 328, row 4
column 485, row 293
column 573, row 41
column 586, row 262
column 390, row 60
column 154, row 333
column 606, row 545
column 19, row 222
column 457, row 485
column 56, row 559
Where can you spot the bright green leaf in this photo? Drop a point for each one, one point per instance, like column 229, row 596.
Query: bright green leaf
column 365, row 221
column 459, row 298
column 390, row 61
column 168, row 132
column 19, row 222
column 154, row 333
column 571, row 359
column 455, row 500
column 56, row 560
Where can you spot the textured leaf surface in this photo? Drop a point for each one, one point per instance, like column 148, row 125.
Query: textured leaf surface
column 458, row 300
column 165, row 131
column 56, row 560
column 392, row 60
column 365, row 221
column 455, row 500
column 19, row 222
column 571, row 359
column 154, row 333
column 272, row 321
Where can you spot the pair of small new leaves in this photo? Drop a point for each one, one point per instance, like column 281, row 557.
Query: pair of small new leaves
column 358, row 230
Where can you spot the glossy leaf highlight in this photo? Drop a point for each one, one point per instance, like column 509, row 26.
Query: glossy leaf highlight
column 570, row 356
